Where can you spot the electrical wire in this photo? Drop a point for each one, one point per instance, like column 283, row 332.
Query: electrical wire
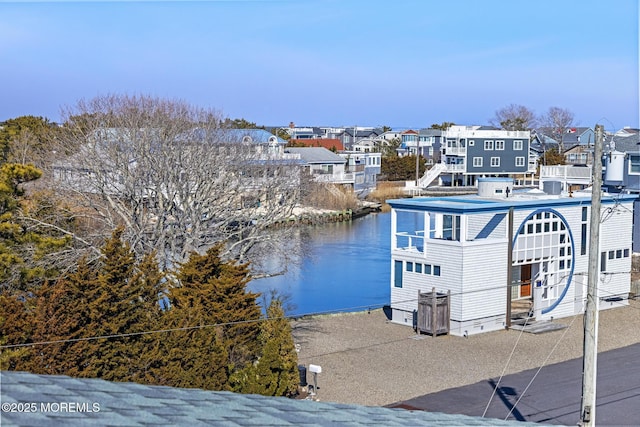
column 513, row 407
column 504, row 370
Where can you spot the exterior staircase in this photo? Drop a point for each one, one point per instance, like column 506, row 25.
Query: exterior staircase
column 431, row 175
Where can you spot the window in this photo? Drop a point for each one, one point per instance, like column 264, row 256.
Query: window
column 418, row 268
column 427, row 269
column 519, row 161
column 477, row 162
column 471, row 143
column 583, row 240
column 409, row 266
column 436, row 270
column 611, row 254
column 603, row 261
column 499, row 145
column 495, row 162
column 517, row 144
column 619, row 253
column 397, row 277
column 626, row 253
column 634, row 163
column 488, row 145
column 584, row 214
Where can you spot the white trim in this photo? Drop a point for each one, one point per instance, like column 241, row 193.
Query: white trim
column 495, row 162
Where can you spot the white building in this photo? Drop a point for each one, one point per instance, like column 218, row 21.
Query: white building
column 498, row 250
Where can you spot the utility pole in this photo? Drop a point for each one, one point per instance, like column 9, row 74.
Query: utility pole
column 590, row 351
column 418, row 159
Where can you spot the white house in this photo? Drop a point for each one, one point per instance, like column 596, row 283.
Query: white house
column 324, row 165
column 501, row 249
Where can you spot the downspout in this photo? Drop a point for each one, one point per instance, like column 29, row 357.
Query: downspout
column 509, row 267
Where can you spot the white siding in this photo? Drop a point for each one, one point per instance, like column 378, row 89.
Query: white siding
column 484, row 280
column 477, row 223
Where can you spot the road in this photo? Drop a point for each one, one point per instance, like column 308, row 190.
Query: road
column 554, row 395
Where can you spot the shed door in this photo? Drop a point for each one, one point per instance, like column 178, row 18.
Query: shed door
column 525, row 277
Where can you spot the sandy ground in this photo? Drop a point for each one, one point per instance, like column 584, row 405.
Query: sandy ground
column 367, row 360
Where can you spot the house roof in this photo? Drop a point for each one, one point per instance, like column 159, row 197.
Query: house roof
column 257, row 136
column 320, row 142
column 473, row 204
column 626, row 144
column 100, row 402
column 430, row 132
column 316, row 155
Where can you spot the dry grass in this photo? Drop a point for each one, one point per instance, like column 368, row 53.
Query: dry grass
column 387, row 190
column 332, row 197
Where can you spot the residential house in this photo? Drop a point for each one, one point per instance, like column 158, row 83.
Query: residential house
column 299, row 132
column 43, row 400
column 627, row 131
column 622, row 173
column 622, row 164
column 365, row 166
column 427, row 142
column 470, row 152
column 351, row 135
column 323, row 165
column 504, row 255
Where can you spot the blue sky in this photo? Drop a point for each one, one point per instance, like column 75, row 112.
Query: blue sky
column 401, row 63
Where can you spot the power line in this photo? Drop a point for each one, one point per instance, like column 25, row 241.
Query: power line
column 292, row 317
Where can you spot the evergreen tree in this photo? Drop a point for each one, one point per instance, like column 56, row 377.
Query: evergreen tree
column 401, row 168
column 275, row 373
column 209, row 291
column 16, row 327
column 25, row 253
column 63, row 314
column 123, row 303
column 112, row 298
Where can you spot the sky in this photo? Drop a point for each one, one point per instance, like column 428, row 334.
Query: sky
column 400, row 63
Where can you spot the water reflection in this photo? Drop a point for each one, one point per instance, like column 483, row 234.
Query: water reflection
column 344, row 267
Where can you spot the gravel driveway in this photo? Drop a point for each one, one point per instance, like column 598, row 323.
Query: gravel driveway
column 367, row 360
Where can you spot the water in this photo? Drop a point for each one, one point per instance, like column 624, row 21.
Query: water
column 345, row 267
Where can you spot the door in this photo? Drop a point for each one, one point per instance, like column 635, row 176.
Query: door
column 525, row 277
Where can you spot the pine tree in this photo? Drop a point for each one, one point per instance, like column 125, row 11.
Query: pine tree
column 16, row 327
column 275, row 373
column 209, row 292
column 63, row 314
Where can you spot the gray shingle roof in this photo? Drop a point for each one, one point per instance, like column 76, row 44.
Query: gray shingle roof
column 129, row 404
column 316, row 155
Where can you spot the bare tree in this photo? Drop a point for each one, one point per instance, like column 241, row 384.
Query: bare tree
column 514, row 117
column 177, row 179
column 556, row 121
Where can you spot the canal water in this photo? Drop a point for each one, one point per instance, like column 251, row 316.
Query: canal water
column 344, row 267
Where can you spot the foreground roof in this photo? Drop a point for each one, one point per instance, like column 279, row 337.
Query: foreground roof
column 136, row 404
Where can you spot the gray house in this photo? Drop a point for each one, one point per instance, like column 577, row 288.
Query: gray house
column 470, row 152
